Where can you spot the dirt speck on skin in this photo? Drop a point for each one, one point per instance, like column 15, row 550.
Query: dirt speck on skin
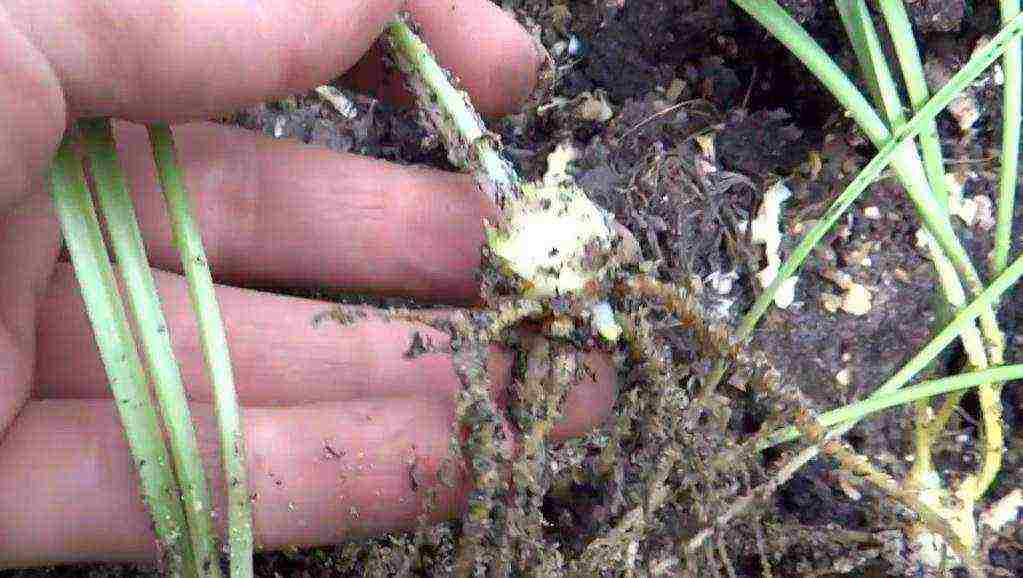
column 419, row 345
column 340, row 314
column 331, row 452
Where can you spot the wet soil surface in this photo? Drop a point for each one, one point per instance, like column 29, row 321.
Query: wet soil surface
column 683, row 114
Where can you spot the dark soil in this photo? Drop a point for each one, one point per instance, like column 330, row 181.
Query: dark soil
column 678, row 74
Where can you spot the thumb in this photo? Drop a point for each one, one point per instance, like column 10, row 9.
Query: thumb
column 33, row 118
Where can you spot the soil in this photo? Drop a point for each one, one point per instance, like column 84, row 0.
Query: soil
column 707, row 112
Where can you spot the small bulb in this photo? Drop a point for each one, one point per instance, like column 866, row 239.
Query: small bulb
column 555, row 239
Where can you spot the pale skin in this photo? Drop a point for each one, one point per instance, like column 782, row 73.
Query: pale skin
column 334, row 413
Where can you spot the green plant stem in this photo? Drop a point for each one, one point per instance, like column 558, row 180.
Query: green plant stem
column 121, row 361
column 922, row 391
column 907, row 162
column 772, row 17
column 458, row 122
column 1012, row 65
column 969, row 72
column 126, row 238
column 904, row 41
column 854, row 32
column 790, row 33
column 802, row 46
column 923, row 463
column 906, row 51
column 213, row 339
column 860, row 28
column 964, row 317
column 989, row 402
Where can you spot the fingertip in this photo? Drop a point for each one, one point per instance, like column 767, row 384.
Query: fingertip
column 494, row 58
column 490, row 54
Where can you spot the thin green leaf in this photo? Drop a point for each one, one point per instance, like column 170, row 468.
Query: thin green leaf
column 867, row 46
column 908, row 54
column 120, row 358
column 967, row 74
column 880, row 402
column 213, row 339
column 964, row 317
column 123, row 228
column 1012, row 66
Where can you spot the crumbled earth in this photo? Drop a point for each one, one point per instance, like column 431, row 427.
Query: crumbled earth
column 707, row 113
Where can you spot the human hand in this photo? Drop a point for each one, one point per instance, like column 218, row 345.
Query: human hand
column 335, row 413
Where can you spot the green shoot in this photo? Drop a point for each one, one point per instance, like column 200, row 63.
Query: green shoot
column 916, row 85
column 126, row 238
column 904, row 42
column 907, row 162
column 951, row 260
column 215, row 349
column 460, row 125
column 1012, row 101
column 964, row 317
column 920, row 121
column 550, row 237
column 120, row 357
column 860, row 28
column 879, row 402
column 861, row 23
column 805, row 48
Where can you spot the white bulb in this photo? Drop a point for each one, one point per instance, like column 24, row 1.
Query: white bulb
column 555, row 239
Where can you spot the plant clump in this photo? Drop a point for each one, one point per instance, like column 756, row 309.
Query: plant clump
column 670, row 476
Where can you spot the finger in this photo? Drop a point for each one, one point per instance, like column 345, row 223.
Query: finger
column 33, row 117
column 282, row 213
column 317, row 474
column 187, row 59
column 169, row 60
column 282, row 355
column 29, row 242
column 495, row 60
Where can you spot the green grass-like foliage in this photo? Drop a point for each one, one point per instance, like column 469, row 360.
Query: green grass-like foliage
column 181, row 506
column 126, row 238
column 921, row 121
column 117, row 349
column 1012, row 116
column 213, row 340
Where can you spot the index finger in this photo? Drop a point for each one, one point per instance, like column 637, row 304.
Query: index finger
column 173, row 61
